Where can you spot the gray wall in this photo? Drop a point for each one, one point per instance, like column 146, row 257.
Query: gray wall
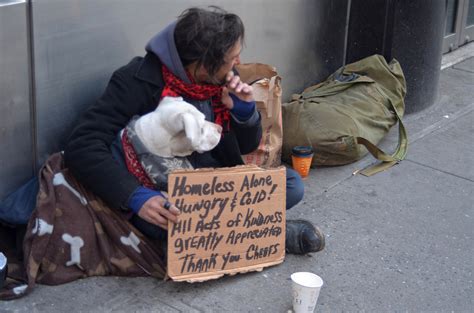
column 78, row 44
column 16, row 156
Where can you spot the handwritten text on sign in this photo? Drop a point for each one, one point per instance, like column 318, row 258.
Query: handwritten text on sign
column 231, row 220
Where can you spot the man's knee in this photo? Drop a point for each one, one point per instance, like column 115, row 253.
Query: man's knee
column 294, row 188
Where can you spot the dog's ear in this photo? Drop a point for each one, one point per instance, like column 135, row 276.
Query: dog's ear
column 192, row 128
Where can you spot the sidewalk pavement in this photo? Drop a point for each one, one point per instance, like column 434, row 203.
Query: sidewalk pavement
column 401, row 240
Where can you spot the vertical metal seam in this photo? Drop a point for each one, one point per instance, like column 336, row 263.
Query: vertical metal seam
column 32, row 89
column 385, row 28
column 346, row 30
column 388, row 31
column 462, row 30
column 458, row 22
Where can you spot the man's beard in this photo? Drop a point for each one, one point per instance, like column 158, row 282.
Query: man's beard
column 215, row 81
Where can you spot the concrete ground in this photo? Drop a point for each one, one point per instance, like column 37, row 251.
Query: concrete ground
column 401, row 240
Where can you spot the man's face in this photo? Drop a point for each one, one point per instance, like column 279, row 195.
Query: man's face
column 231, row 59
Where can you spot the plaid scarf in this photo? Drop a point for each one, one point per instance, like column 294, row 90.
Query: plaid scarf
column 175, row 87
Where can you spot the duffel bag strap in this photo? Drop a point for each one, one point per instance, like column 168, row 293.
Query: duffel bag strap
column 387, row 160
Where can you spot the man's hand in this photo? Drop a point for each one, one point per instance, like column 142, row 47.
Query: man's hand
column 238, row 88
column 154, row 211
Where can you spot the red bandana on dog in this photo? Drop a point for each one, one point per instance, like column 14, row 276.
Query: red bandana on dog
column 133, row 164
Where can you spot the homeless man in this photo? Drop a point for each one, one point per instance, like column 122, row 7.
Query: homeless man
column 193, row 58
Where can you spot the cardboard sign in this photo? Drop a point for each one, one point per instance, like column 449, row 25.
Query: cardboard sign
column 232, row 220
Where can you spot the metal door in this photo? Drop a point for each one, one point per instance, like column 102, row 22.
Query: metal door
column 459, row 28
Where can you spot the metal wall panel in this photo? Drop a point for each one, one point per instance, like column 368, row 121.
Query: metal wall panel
column 78, row 44
column 16, row 157
column 304, row 39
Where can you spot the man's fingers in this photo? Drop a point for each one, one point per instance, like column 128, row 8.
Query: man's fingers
column 239, row 87
column 154, row 217
column 225, row 91
column 163, row 225
column 170, row 210
column 236, row 86
column 169, row 215
column 163, row 222
column 226, row 100
column 229, row 76
column 234, row 82
column 247, row 89
column 174, row 210
column 157, row 210
column 243, row 87
column 160, row 220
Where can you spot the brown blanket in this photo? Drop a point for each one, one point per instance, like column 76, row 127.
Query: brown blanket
column 72, row 234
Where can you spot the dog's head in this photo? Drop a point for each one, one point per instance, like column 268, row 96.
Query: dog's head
column 188, row 127
column 203, row 135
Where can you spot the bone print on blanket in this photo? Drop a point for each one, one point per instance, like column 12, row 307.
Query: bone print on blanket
column 72, row 234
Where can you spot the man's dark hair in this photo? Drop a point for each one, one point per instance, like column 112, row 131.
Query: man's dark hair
column 205, row 35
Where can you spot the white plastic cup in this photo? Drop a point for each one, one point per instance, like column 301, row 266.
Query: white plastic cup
column 306, row 287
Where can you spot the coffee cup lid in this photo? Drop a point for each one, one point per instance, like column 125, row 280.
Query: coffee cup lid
column 302, row 150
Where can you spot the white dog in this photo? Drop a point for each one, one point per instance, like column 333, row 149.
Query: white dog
column 177, row 128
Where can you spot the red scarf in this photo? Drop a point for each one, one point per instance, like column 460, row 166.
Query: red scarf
column 175, row 87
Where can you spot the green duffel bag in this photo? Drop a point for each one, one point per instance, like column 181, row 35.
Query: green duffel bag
column 347, row 115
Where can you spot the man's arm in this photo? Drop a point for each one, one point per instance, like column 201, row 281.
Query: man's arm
column 248, row 130
column 88, row 153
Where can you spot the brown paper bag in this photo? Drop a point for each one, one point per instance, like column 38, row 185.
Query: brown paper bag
column 267, row 91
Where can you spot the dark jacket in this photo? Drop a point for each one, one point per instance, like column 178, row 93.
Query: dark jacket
column 134, row 89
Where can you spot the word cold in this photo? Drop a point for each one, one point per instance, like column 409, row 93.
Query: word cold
column 248, row 198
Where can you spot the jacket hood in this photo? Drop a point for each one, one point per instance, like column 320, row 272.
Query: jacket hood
column 164, row 47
